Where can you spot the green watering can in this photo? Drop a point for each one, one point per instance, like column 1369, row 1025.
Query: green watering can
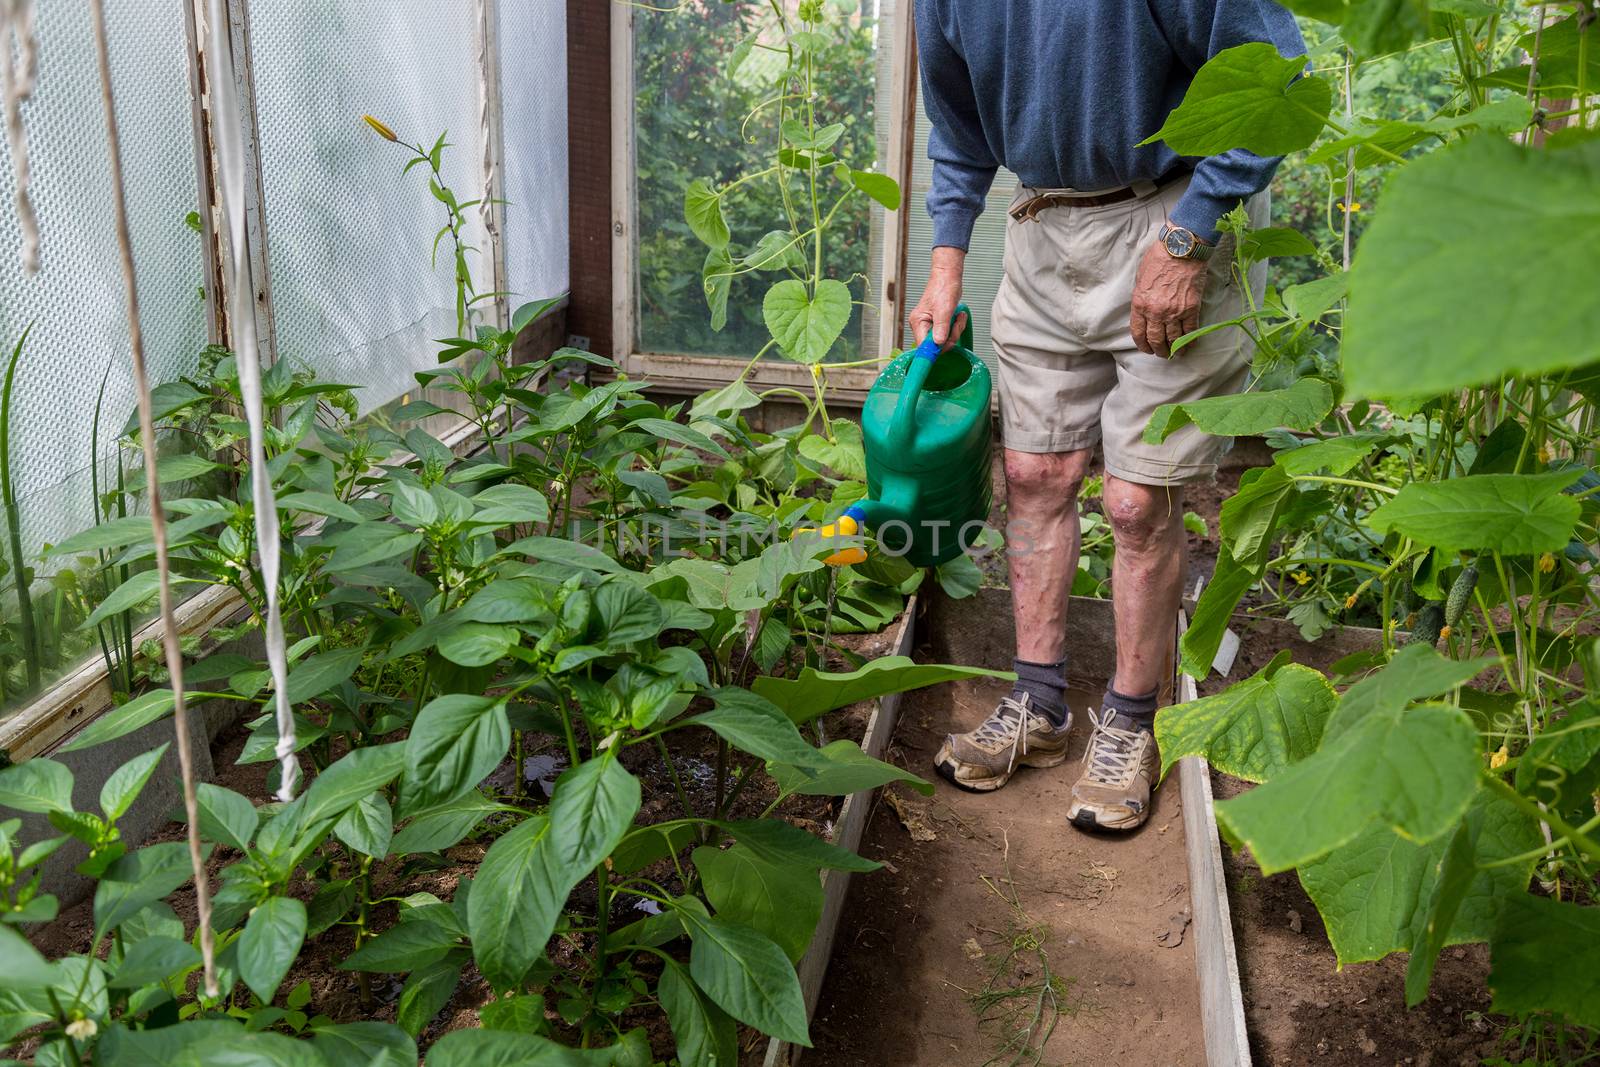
column 928, row 442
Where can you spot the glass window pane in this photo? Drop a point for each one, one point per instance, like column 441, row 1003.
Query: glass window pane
column 694, row 119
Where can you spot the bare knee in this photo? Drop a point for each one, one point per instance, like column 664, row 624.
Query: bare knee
column 1052, row 476
column 1143, row 518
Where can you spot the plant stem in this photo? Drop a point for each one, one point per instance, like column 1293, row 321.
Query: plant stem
column 722, row 772
column 1355, row 482
column 1579, row 840
column 521, row 761
column 363, row 981
column 602, row 875
column 573, row 756
column 677, row 783
column 8, row 499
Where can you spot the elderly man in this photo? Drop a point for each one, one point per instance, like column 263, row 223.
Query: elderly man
column 1112, row 254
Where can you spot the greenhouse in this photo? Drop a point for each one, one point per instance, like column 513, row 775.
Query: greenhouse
column 746, row 533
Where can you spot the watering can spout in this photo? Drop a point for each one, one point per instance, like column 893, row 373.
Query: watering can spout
column 847, row 528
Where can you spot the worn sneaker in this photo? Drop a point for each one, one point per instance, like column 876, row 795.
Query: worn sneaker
column 1119, row 770
column 1014, row 735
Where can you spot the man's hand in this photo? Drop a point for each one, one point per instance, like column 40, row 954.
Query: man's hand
column 940, row 298
column 1166, row 300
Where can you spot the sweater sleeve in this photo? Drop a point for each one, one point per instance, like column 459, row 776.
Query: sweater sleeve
column 963, row 164
column 1197, row 30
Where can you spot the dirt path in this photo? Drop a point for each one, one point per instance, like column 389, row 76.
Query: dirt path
column 985, row 898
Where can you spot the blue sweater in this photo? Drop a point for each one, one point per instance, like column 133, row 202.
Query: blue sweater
column 1060, row 92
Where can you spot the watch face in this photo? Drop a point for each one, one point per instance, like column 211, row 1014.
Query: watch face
column 1179, row 242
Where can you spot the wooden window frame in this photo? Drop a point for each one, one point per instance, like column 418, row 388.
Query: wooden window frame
column 612, row 316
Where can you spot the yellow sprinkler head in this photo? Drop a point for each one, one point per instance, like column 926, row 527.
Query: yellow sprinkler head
column 847, row 525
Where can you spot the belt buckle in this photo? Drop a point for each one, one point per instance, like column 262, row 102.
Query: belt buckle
column 1028, row 210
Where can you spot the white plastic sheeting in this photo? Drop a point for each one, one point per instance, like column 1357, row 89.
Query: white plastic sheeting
column 348, row 237
column 75, row 302
column 985, row 257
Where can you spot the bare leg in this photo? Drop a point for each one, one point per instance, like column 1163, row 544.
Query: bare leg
column 1028, row 728
column 1042, row 546
column 1146, row 578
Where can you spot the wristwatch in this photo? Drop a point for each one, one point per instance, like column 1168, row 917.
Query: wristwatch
column 1183, row 244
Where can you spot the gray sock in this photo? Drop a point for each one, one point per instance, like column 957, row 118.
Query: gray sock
column 1046, row 687
column 1131, row 713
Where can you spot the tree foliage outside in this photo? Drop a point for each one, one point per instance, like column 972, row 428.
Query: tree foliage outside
column 705, row 75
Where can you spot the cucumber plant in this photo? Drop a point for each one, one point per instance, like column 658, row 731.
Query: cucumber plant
column 806, row 309
column 1433, row 411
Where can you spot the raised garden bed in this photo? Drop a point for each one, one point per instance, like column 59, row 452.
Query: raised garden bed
column 336, row 993
column 996, row 929
column 1300, row 1007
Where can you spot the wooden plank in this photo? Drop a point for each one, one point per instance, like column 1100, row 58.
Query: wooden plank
column 905, row 130
column 589, row 170
column 85, row 694
column 200, row 118
column 897, row 158
column 255, row 207
column 691, row 375
column 962, row 631
column 847, row 834
column 623, row 206
column 1216, row 958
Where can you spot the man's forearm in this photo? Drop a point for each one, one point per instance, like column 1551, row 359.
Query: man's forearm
column 948, row 260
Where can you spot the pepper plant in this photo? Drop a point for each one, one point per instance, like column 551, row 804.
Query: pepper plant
column 597, row 575
column 445, row 623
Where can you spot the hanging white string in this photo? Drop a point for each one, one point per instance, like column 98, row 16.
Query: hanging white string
column 486, row 203
column 158, row 522
column 228, row 134
column 17, row 78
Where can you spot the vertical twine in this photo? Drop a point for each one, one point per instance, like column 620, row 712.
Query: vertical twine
column 486, row 202
column 17, row 79
column 227, row 129
column 1350, row 155
column 158, row 522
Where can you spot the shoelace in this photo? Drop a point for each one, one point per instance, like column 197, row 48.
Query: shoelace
column 1010, row 724
column 1112, row 752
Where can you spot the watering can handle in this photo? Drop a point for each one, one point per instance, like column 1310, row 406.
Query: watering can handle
column 922, row 360
column 929, row 348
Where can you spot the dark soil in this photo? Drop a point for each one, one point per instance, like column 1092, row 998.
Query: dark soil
column 338, row 994
column 1301, row 1009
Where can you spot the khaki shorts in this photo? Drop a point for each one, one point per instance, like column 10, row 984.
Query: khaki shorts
column 1070, row 375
